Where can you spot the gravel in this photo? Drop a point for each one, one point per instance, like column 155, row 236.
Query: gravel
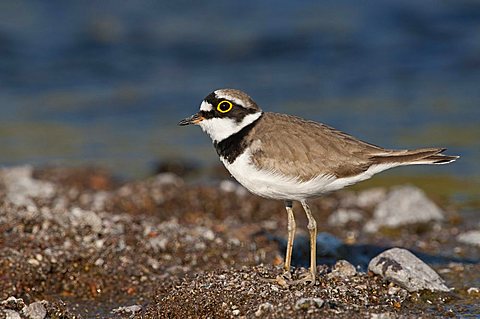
column 77, row 243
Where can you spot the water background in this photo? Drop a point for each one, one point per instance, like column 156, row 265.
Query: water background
column 105, row 82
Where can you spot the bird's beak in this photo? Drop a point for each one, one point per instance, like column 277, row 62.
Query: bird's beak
column 194, row 119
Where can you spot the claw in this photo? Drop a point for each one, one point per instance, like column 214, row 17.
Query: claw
column 285, row 279
column 308, row 277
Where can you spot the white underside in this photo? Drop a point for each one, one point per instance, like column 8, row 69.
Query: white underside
column 271, row 184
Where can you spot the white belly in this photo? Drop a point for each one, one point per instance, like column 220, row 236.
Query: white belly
column 271, row 184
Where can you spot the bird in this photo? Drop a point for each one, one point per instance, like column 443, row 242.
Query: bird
column 285, row 157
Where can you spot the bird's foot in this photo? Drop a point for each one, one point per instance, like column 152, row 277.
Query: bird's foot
column 307, row 277
column 285, row 279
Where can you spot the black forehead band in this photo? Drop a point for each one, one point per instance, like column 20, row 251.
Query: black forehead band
column 212, row 99
column 238, row 112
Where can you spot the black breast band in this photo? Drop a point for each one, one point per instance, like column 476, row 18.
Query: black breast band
column 234, row 145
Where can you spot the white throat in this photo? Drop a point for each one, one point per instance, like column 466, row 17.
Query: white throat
column 222, row 128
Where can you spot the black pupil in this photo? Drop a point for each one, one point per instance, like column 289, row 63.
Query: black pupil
column 224, row 106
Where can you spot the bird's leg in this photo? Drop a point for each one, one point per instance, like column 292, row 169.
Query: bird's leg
column 312, row 228
column 291, row 234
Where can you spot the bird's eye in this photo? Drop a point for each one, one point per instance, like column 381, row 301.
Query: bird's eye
column 224, row 106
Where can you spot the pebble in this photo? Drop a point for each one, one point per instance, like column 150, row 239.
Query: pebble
column 264, row 308
column 473, row 290
column 21, row 187
column 13, row 303
column 470, row 238
column 158, row 243
column 342, row 216
column 342, row 269
column 385, row 315
column 168, row 179
column 404, row 205
column 33, row 262
column 85, row 218
column 306, row 303
column 371, row 197
column 128, row 309
column 229, row 186
column 11, row 314
column 406, row 270
column 236, row 312
column 35, row 310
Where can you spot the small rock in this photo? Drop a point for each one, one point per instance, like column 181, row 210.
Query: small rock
column 158, row 243
column 305, row 303
column 229, row 186
column 470, row 238
column 128, row 309
column 342, row 269
column 473, row 290
column 13, row 303
column 371, row 197
column 342, row 216
column 404, row 205
column 236, row 312
column 33, row 262
column 21, row 187
column 406, row 270
column 263, row 309
column 11, row 314
column 208, row 234
column 168, row 179
column 384, row 315
column 85, row 218
column 35, row 310
column 393, row 290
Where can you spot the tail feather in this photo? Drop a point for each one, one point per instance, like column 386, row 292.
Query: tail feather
column 412, row 157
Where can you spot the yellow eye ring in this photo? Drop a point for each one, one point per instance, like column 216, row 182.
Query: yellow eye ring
column 224, row 106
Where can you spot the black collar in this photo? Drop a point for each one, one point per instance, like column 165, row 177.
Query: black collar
column 234, row 145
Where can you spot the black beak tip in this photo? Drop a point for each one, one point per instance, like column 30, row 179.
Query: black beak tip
column 184, row 122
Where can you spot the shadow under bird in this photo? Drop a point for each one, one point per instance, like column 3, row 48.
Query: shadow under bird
column 285, row 157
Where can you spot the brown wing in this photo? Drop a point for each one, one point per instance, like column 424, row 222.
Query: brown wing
column 306, row 149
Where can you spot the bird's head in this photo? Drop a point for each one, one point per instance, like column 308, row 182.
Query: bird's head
column 223, row 113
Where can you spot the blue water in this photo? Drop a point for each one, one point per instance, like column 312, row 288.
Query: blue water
column 105, row 82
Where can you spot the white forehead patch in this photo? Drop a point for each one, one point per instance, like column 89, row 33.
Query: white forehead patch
column 205, row 106
column 222, row 95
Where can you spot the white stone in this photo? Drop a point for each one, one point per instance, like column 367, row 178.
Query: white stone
column 342, row 216
column 404, row 205
column 406, row 270
column 471, row 238
column 21, row 187
column 35, row 310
